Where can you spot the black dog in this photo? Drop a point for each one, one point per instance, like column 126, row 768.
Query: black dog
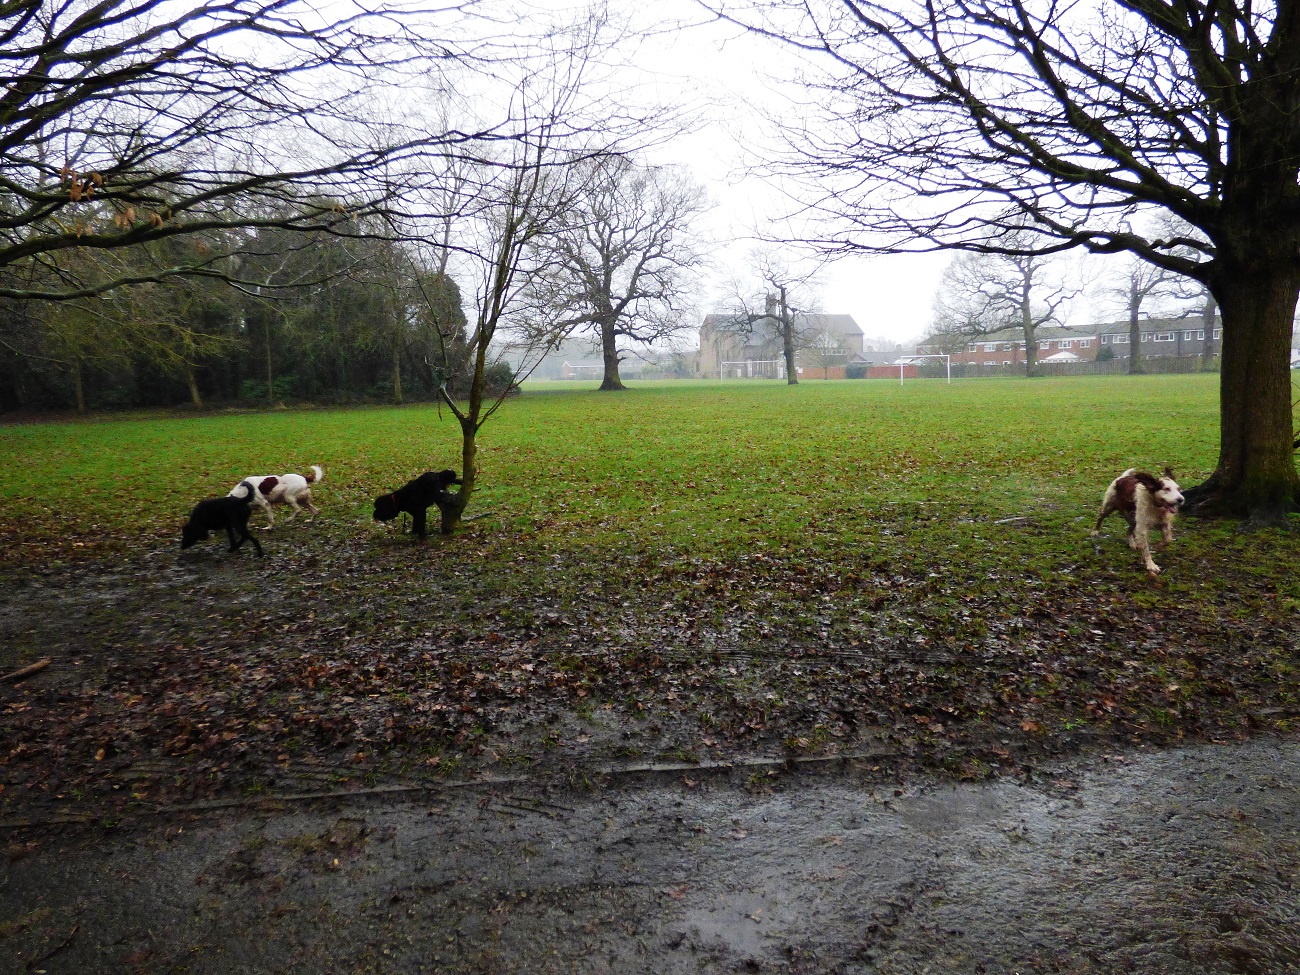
column 427, row 489
column 230, row 513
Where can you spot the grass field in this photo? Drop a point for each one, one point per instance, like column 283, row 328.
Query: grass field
column 703, row 467
column 686, row 570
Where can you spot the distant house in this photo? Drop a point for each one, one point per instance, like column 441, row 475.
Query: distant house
column 1007, row 346
column 826, row 342
column 1161, row 337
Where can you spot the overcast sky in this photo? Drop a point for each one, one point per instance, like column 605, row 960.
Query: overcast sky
column 681, row 58
column 728, row 73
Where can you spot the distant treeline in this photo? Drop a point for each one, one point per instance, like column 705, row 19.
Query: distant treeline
column 327, row 319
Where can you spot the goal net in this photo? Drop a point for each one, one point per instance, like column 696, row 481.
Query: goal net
column 752, row 369
column 915, row 360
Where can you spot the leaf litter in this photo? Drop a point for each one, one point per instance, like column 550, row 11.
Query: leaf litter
column 344, row 662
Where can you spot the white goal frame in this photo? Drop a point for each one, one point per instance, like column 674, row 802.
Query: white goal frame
column 777, row 364
column 911, row 360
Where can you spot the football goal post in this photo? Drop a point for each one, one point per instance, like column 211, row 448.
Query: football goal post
column 752, row 369
column 911, row 361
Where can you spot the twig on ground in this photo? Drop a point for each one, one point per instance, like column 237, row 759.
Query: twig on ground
column 27, row 671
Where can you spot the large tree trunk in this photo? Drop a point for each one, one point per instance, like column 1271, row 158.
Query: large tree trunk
column 787, row 340
column 1208, row 313
column 1029, row 327
column 1031, row 351
column 80, row 385
column 609, row 351
column 196, row 399
column 1256, row 474
column 397, row 374
column 787, row 350
column 270, row 372
column 1134, row 340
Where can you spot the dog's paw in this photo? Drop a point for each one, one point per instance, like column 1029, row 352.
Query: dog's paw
column 1153, row 569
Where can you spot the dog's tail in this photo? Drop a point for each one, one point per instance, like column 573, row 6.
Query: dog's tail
column 250, row 492
column 316, row 476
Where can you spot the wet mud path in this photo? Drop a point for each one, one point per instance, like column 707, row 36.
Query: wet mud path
column 1178, row 861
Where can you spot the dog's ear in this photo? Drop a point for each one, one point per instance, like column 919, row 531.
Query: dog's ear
column 268, row 485
column 1169, row 473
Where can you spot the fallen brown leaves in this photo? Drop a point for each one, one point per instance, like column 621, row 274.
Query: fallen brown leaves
column 177, row 680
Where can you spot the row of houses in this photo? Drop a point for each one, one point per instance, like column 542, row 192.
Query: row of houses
column 833, row 346
column 1158, row 338
column 833, row 342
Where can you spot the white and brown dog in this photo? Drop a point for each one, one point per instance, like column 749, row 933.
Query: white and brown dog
column 291, row 489
column 1147, row 503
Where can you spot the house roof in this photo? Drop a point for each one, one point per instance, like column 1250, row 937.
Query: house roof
column 1157, row 325
column 1044, row 333
column 832, row 324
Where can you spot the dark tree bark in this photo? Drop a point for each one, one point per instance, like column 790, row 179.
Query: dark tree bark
column 609, row 355
column 1256, row 474
column 1134, row 336
column 786, row 325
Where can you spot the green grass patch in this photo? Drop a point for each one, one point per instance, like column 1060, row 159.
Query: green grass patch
column 684, row 569
column 699, row 467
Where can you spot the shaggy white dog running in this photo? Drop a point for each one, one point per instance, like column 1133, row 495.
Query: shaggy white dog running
column 1147, row 502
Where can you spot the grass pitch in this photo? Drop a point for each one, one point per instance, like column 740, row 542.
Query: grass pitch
column 685, row 572
column 702, row 467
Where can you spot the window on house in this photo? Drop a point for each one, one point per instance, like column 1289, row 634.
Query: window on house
column 1085, row 343
column 1164, row 336
column 990, row 346
column 1200, row 336
column 1043, row 345
column 1105, row 340
column 1218, row 333
column 1067, row 343
column 1006, row 362
column 990, row 362
column 1187, row 336
column 1007, row 346
column 1146, row 337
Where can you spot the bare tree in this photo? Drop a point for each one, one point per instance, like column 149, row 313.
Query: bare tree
column 964, row 123
column 129, row 121
column 983, row 293
column 1141, row 281
column 772, row 304
column 620, row 267
column 512, row 203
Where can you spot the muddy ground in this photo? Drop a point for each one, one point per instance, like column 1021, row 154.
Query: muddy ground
column 365, row 755
column 1182, row 861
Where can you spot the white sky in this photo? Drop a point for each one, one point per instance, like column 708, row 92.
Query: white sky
column 725, row 73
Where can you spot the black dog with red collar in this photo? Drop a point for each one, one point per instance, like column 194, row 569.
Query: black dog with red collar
column 417, row 496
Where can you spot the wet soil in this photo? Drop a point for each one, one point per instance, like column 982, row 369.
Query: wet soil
column 1176, row 861
column 364, row 755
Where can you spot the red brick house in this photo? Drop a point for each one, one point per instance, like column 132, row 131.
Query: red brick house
column 1007, row 347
